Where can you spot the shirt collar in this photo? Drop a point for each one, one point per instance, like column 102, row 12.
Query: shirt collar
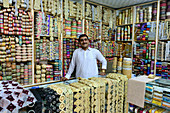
column 89, row 48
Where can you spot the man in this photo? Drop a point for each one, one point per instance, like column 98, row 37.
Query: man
column 85, row 60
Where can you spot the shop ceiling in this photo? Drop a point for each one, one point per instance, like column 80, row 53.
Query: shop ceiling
column 116, row 4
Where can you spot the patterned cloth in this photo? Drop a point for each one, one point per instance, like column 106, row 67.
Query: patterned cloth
column 13, row 97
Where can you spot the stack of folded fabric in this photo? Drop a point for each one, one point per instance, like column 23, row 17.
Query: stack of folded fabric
column 163, row 10
column 168, row 10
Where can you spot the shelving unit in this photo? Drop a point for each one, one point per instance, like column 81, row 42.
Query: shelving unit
column 104, row 28
column 123, row 25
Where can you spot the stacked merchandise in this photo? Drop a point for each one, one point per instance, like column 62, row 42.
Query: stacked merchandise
column 49, row 73
column 108, row 49
column 96, row 13
column 46, row 25
column 143, row 60
column 127, row 67
column 123, row 49
column 111, row 48
column 72, row 9
column 48, row 52
column 114, row 37
column 88, row 28
column 92, row 30
column 145, row 31
column 106, row 33
column 154, row 11
column 168, row 10
column 146, row 13
column 72, row 28
column 164, row 33
column 22, row 72
column 88, row 12
column 12, row 3
column 147, row 109
column 52, row 6
column 69, row 45
column 149, row 93
column 157, row 93
column 108, row 17
column 163, row 51
column 123, row 65
column 95, row 44
column 124, row 33
column 162, row 69
column 86, row 95
column 120, row 65
column 163, row 5
column 38, row 24
column 165, row 9
column 46, row 73
column 67, row 28
column 124, row 17
column 48, row 48
column 96, row 31
column 93, row 14
column 166, row 100
column 16, row 46
column 79, row 28
column 20, row 25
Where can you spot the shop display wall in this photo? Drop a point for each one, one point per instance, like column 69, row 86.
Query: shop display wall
column 157, row 93
column 37, row 36
column 16, row 43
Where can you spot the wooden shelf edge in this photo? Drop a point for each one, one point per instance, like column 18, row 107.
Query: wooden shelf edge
column 144, row 22
column 44, row 83
column 164, row 40
column 70, row 38
column 123, row 25
column 143, row 40
column 124, row 41
column 162, row 60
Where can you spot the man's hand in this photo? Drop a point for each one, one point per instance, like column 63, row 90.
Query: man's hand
column 103, row 72
column 63, row 79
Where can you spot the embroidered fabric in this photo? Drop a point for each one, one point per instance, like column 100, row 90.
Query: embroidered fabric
column 13, row 97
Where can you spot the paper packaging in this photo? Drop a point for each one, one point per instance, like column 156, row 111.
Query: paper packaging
column 136, row 90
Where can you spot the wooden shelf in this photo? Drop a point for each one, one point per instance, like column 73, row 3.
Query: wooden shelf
column 45, row 83
column 116, row 56
column 144, row 22
column 167, row 20
column 164, row 40
column 70, row 38
column 47, row 36
column 163, row 60
column 124, row 41
column 105, row 23
column 143, row 40
column 123, row 25
column 88, row 18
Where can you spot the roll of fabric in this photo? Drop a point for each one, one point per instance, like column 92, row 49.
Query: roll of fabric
column 154, row 11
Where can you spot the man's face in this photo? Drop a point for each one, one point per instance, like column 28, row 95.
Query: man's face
column 84, row 42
